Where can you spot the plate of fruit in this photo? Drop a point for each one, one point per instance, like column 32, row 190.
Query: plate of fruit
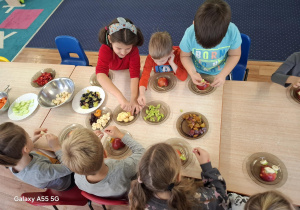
column 295, row 94
column 204, row 89
column 266, row 170
column 124, row 118
column 99, row 119
column 88, row 99
column 183, row 149
column 192, row 125
column 23, row 107
column 94, row 81
column 163, row 82
column 66, row 131
column 155, row 112
column 115, row 148
column 42, row 77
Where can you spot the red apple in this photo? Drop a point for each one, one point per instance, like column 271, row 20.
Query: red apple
column 298, row 94
column 203, row 87
column 267, row 173
column 163, row 82
column 117, row 143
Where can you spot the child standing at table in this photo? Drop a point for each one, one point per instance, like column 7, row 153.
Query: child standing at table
column 163, row 57
column 160, row 185
column 289, row 72
column 34, row 169
column 83, row 153
column 118, row 52
column 212, row 44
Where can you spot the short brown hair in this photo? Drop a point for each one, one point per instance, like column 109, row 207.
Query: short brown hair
column 13, row 139
column 270, row 200
column 83, row 152
column 160, row 45
column 211, row 22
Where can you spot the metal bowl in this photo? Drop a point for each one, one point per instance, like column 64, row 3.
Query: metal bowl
column 4, row 94
column 54, row 87
column 39, row 73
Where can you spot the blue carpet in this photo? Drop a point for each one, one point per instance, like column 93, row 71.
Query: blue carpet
column 273, row 26
column 20, row 37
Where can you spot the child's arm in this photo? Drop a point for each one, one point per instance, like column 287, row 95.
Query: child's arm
column 179, row 71
column 287, row 73
column 149, row 64
column 134, row 86
column 187, row 62
column 232, row 59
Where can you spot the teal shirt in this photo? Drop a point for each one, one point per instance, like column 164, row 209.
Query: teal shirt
column 210, row 61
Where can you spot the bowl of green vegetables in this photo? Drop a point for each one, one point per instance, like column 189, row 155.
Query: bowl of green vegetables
column 155, row 112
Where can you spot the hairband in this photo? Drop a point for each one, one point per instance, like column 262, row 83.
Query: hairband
column 122, row 23
column 170, row 187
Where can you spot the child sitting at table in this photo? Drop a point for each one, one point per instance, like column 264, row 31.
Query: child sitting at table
column 34, row 169
column 119, row 51
column 289, row 72
column 268, row 201
column 212, row 44
column 163, row 57
column 83, row 153
column 160, row 185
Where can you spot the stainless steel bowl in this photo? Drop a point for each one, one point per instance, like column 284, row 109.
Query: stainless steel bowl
column 54, row 87
column 4, row 94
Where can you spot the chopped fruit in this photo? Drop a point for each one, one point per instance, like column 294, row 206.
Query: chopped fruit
column 204, row 86
column 267, row 174
column 97, row 113
column 264, row 162
column 181, row 155
column 275, row 168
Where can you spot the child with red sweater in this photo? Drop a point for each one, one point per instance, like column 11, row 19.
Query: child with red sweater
column 118, row 52
column 163, row 57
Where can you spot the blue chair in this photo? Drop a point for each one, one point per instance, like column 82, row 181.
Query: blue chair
column 240, row 71
column 67, row 45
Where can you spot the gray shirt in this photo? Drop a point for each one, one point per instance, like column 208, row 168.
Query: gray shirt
column 41, row 173
column 291, row 67
column 120, row 172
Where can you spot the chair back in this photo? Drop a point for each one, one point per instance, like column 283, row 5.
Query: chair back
column 67, row 45
column 54, row 197
column 3, row 59
column 104, row 201
column 238, row 73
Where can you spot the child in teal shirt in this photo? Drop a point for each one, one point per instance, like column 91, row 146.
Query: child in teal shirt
column 212, row 44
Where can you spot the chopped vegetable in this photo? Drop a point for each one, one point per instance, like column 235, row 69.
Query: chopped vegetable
column 22, row 107
column 2, row 102
column 153, row 114
column 43, row 79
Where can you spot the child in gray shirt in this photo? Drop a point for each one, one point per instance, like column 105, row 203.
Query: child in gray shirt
column 37, row 170
column 83, row 153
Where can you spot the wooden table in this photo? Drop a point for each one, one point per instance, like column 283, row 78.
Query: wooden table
column 18, row 76
column 180, row 98
column 258, row 117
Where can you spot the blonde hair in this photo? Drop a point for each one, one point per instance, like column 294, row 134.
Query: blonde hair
column 158, row 168
column 160, row 45
column 270, row 200
column 83, row 152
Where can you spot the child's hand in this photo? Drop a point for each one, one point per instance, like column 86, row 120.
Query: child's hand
column 114, row 132
column 125, row 105
column 296, row 83
column 171, row 58
column 142, row 100
column 135, row 107
column 197, row 79
column 38, row 133
column 98, row 133
column 218, row 81
column 53, row 142
column 201, row 155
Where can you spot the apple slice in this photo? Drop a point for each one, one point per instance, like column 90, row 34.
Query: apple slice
column 267, row 173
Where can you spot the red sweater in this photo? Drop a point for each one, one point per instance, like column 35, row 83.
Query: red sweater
column 107, row 60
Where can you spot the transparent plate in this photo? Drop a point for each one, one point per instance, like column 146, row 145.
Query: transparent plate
column 94, row 81
column 25, row 97
column 253, row 167
column 118, row 110
column 207, row 91
column 39, row 73
column 164, row 109
column 66, row 131
column 183, row 128
column 116, row 154
column 104, row 110
column 76, row 100
column 185, row 148
column 172, row 80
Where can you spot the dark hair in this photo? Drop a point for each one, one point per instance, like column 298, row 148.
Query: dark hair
column 13, row 139
column 158, row 169
column 125, row 36
column 211, row 22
